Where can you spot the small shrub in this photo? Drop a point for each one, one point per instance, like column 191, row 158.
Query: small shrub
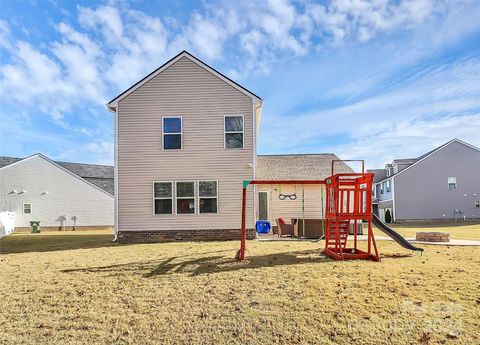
column 388, row 216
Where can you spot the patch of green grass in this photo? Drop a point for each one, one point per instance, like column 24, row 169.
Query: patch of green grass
column 51, row 240
column 195, row 293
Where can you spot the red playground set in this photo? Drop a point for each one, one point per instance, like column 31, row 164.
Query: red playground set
column 348, row 204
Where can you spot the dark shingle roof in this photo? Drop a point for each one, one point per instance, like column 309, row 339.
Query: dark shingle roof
column 380, row 174
column 99, row 175
column 298, row 166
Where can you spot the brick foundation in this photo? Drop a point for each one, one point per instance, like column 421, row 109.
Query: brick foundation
column 433, row 236
column 182, row 235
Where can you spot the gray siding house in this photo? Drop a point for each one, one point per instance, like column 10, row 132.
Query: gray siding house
column 441, row 185
column 185, row 139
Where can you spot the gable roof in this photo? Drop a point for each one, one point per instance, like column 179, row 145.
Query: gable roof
column 298, row 166
column 101, row 176
column 419, row 159
column 113, row 103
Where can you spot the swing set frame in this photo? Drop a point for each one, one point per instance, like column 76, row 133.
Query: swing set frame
column 348, row 199
column 241, row 253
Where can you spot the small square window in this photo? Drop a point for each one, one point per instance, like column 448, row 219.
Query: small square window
column 452, row 183
column 27, row 208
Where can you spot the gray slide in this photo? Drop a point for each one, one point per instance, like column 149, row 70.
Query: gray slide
column 395, row 235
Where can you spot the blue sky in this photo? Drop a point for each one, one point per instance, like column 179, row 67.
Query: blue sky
column 371, row 80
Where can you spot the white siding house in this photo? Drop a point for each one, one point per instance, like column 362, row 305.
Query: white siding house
column 38, row 189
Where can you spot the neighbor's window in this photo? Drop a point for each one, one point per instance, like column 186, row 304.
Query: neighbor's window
column 452, row 183
column 477, row 204
column 185, row 198
column 388, row 186
column 163, row 197
column 27, row 208
column 233, row 132
column 208, row 196
column 382, row 187
column 172, row 133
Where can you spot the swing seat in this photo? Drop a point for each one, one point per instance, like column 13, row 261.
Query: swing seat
column 262, row 226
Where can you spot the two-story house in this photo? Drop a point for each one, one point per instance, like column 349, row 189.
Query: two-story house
column 442, row 184
column 185, row 139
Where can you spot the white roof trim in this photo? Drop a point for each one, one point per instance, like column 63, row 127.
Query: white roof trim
column 58, row 166
column 113, row 103
column 441, row 147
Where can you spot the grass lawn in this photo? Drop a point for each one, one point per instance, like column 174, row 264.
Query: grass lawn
column 79, row 288
column 460, row 232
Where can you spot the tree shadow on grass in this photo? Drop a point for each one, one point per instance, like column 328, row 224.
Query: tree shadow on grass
column 199, row 263
column 218, row 264
column 27, row 243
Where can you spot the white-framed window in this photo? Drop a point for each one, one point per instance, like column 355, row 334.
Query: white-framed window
column 172, row 128
column 452, row 183
column 382, row 185
column 27, row 208
column 185, row 197
column 374, row 191
column 233, row 126
column 207, row 196
column 388, row 186
column 162, row 197
column 477, row 204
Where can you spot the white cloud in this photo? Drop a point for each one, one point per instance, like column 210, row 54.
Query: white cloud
column 105, row 49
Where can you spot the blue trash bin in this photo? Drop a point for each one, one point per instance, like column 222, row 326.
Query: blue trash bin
column 262, row 226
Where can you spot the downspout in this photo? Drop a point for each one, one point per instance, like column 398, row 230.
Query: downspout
column 115, row 173
column 257, row 114
column 394, row 215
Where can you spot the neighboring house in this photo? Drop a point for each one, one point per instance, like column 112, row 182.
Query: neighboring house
column 294, row 167
column 443, row 184
column 185, row 139
column 38, row 189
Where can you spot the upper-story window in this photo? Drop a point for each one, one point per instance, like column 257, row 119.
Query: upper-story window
column 477, row 204
column 374, row 191
column 388, row 186
column 172, row 133
column 382, row 187
column 452, row 183
column 233, row 132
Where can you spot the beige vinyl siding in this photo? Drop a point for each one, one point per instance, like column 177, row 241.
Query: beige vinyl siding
column 202, row 100
column 293, row 208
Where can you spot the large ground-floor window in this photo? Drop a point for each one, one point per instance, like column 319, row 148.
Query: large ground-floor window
column 185, row 197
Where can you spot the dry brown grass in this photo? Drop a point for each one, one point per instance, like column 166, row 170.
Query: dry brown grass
column 184, row 293
column 460, row 232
